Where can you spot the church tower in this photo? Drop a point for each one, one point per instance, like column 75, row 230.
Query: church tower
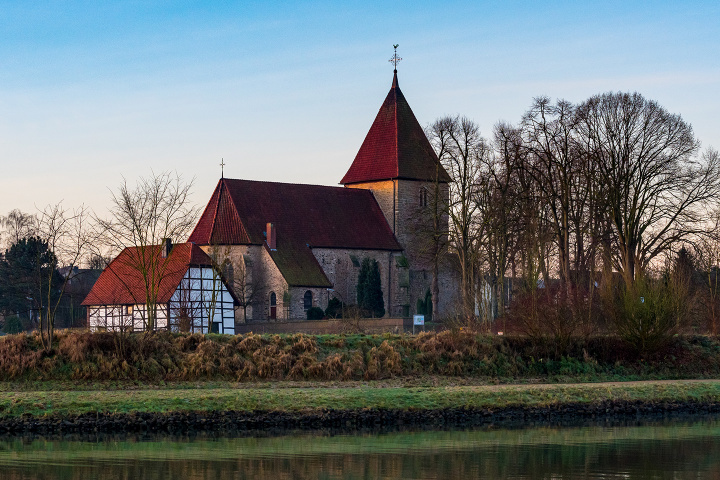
column 399, row 166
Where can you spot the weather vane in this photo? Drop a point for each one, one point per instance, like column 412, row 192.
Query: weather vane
column 395, row 59
column 222, row 168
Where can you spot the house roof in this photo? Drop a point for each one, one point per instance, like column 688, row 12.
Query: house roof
column 395, row 147
column 304, row 216
column 122, row 282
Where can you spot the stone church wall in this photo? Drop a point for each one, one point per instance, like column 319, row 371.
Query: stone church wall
column 254, row 276
column 342, row 267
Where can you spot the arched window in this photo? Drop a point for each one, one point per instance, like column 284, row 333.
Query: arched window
column 423, row 197
column 307, row 300
column 273, row 306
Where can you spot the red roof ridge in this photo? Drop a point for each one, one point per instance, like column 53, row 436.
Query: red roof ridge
column 395, row 89
column 284, row 183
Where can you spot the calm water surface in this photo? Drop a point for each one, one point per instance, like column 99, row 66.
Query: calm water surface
column 679, row 449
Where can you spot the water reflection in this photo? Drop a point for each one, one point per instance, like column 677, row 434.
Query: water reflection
column 660, row 450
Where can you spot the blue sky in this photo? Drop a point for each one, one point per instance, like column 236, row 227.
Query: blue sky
column 93, row 91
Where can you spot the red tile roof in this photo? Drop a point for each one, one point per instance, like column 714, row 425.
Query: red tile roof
column 314, row 215
column 305, row 217
column 122, row 283
column 395, row 146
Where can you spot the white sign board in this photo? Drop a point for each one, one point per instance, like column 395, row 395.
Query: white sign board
column 418, row 319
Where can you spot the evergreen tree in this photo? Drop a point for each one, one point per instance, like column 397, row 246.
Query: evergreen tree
column 24, row 276
column 425, row 306
column 362, row 284
column 369, row 288
column 375, row 294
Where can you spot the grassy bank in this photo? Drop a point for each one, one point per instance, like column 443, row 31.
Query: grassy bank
column 165, row 357
column 293, row 399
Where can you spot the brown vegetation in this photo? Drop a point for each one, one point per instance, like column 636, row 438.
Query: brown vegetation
column 188, row 357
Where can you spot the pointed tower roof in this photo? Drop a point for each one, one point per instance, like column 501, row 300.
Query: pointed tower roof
column 395, row 146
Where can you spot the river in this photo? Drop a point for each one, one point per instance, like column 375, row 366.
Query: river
column 665, row 449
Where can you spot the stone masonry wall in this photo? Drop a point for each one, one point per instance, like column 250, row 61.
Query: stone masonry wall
column 411, row 220
column 261, row 277
column 343, row 274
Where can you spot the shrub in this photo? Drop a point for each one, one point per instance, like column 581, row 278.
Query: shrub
column 315, row 313
column 560, row 312
column 334, row 308
column 644, row 314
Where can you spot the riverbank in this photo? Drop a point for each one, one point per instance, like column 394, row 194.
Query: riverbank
column 179, row 409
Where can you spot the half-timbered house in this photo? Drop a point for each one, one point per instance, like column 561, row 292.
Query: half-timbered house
column 179, row 282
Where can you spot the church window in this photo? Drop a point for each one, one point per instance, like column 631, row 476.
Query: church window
column 273, row 306
column 307, row 300
column 423, row 197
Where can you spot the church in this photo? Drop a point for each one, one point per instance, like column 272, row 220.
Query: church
column 285, row 248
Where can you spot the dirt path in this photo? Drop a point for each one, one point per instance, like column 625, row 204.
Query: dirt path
column 404, row 382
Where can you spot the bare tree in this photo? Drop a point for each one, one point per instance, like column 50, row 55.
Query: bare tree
column 97, row 261
column 460, row 148
column 555, row 163
column 655, row 189
column 220, row 274
column 69, row 235
column 245, row 285
column 499, row 203
column 18, row 225
column 144, row 216
column 707, row 255
column 436, row 230
column 187, row 306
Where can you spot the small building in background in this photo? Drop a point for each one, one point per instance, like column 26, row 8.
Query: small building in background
column 189, row 294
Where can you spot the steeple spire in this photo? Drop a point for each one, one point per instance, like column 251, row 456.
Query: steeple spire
column 395, row 147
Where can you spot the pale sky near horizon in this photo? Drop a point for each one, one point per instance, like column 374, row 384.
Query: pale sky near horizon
column 286, row 91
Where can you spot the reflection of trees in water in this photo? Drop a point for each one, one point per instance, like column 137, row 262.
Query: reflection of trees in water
column 664, row 458
column 657, row 450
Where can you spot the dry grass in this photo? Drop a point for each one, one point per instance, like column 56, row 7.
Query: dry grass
column 84, row 356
